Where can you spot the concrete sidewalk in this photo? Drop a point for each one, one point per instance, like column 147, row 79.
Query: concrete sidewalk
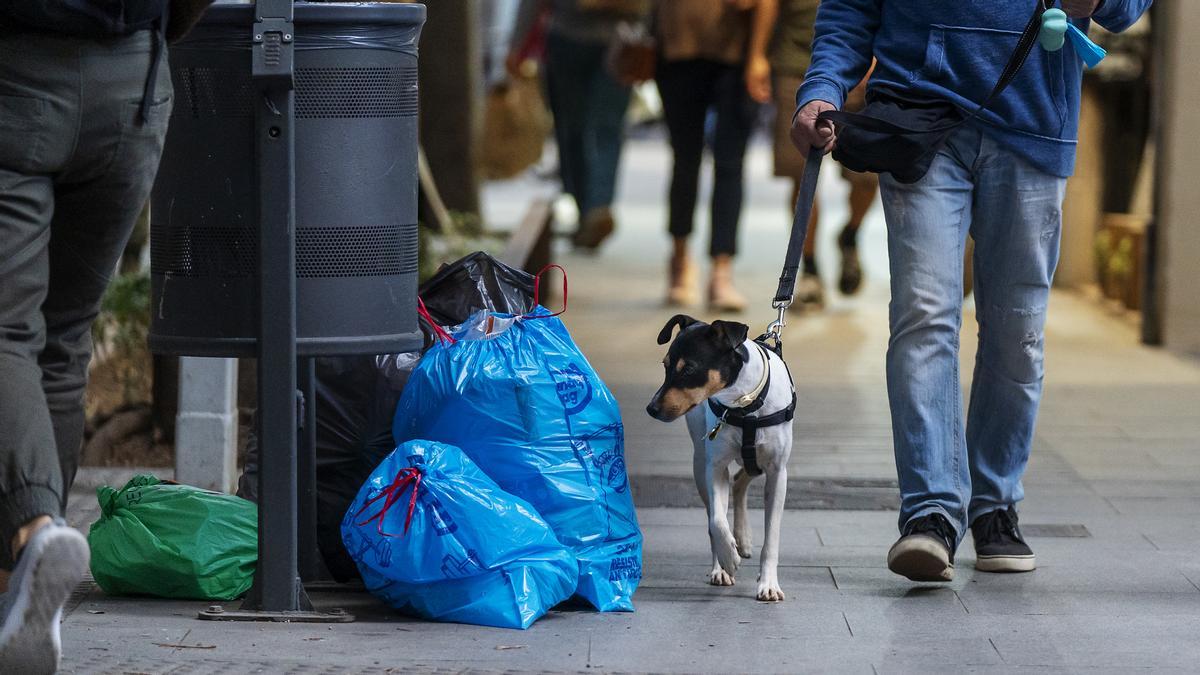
column 1112, row 507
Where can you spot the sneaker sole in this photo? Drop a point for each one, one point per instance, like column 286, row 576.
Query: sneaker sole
column 34, row 645
column 1006, row 563
column 921, row 558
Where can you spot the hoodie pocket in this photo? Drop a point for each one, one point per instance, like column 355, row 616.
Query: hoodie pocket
column 967, row 62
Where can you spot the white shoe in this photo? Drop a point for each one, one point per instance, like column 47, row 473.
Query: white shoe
column 51, row 565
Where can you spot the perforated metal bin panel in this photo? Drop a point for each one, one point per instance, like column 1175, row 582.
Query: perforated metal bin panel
column 356, row 185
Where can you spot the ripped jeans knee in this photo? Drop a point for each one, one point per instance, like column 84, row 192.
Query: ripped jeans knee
column 1012, row 342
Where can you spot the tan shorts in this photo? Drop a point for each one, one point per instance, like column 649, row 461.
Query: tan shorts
column 789, row 163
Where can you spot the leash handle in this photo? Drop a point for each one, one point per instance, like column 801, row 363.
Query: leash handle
column 804, row 207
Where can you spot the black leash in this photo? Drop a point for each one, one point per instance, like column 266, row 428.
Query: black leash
column 791, row 262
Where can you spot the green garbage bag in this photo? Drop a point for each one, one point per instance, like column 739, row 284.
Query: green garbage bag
column 173, row 541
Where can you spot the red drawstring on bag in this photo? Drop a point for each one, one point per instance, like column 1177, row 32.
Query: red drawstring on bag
column 410, row 476
column 440, row 332
column 537, row 292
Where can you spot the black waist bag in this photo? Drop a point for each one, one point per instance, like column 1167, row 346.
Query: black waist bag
column 899, row 136
column 893, row 135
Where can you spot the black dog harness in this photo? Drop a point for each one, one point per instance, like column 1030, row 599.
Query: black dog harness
column 744, row 417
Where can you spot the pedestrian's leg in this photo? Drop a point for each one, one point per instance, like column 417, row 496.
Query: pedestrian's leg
column 927, row 226
column 736, row 113
column 30, row 477
column 862, row 194
column 39, row 103
column 607, row 101
column 566, row 93
column 38, row 112
column 683, row 87
column 1017, row 227
column 98, row 196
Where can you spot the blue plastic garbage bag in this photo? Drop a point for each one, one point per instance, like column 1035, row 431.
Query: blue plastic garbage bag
column 433, row 536
column 521, row 400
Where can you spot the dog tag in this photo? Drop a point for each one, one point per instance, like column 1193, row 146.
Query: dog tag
column 713, row 434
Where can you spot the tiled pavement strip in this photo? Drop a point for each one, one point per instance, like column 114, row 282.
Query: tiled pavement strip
column 1116, row 460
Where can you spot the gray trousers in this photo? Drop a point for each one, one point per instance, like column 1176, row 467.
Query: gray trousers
column 76, row 165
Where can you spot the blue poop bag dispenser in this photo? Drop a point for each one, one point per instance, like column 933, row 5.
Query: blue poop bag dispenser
column 1056, row 30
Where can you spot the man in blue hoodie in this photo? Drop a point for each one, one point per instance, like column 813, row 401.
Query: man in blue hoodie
column 1000, row 178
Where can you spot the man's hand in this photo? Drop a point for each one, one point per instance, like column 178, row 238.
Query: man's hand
column 1080, row 9
column 758, row 78
column 808, row 132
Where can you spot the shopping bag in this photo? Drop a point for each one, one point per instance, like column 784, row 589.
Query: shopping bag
column 515, row 127
column 173, row 541
column 433, row 536
column 520, row 399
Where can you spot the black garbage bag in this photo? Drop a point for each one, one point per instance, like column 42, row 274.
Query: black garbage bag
column 474, row 282
column 356, row 401
column 357, row 396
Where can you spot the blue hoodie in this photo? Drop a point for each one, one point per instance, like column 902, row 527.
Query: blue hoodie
column 955, row 51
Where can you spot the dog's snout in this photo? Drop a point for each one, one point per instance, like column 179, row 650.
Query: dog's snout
column 654, row 409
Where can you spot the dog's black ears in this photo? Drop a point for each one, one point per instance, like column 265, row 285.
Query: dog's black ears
column 730, row 333
column 681, row 320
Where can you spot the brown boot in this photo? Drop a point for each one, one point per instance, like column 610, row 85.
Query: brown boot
column 681, row 275
column 596, row 226
column 722, row 295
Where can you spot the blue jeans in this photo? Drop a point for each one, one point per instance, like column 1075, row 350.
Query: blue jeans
column 589, row 119
column 1014, row 213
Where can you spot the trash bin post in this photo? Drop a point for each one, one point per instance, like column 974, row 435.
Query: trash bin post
column 276, row 585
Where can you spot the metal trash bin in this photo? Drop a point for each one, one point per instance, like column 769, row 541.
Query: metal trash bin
column 356, row 185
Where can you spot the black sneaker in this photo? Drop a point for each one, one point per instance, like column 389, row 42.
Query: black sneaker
column 998, row 543
column 925, row 550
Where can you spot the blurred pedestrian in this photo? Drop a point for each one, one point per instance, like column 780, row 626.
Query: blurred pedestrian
column 1001, row 178
column 791, row 51
column 85, row 95
column 712, row 58
column 587, row 102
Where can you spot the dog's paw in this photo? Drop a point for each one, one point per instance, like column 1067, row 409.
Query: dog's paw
column 727, row 555
column 744, row 547
column 769, row 591
column 719, row 577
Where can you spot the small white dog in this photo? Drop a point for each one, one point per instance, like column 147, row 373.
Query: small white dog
column 739, row 399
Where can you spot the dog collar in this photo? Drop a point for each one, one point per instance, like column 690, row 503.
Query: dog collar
column 749, row 398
